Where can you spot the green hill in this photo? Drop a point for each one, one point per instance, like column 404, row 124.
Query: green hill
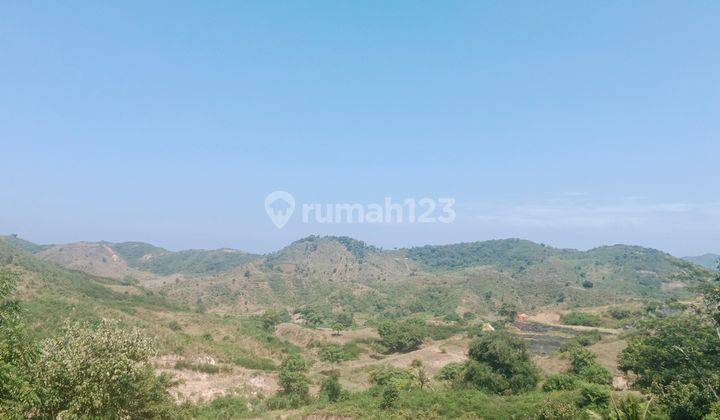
column 709, row 261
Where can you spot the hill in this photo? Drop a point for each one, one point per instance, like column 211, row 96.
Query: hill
column 344, row 274
column 341, row 274
column 137, row 259
column 709, row 261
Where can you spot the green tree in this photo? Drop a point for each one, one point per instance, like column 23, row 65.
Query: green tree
column 272, row 317
column 102, row 371
column 500, row 363
column 402, row 336
column 293, row 380
column 17, row 353
column 337, row 328
column 508, row 311
column 331, row 388
column 420, row 373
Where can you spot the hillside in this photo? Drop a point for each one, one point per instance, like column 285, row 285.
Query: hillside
column 344, row 274
column 136, row 259
column 709, row 261
column 53, row 295
column 211, row 335
column 349, row 275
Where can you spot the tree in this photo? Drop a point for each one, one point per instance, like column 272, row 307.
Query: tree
column 500, row 363
column 17, row 353
column 508, row 311
column 420, row 373
column 676, row 357
column 101, row 371
column 293, row 380
column 330, row 387
column 401, row 336
column 337, row 327
column 272, row 317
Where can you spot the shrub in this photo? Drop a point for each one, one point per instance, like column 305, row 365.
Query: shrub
column 500, row 363
column 630, row 408
column 331, row 388
column 469, row 316
column 255, row 362
column 223, row 407
column 293, row 380
column 596, row 374
column 619, row 313
column 101, row 372
column 581, row 358
column 390, row 396
column 594, row 394
column 452, row 371
column 197, row 367
column 558, row 410
column 560, row 382
column 581, row 318
column 272, row 317
column 335, row 353
column 401, row 336
column 389, row 375
column 17, row 353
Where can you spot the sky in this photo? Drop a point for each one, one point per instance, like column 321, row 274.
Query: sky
column 575, row 124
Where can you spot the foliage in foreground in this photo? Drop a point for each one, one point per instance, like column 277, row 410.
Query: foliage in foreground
column 677, row 358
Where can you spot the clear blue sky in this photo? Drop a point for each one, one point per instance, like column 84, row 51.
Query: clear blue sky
column 571, row 123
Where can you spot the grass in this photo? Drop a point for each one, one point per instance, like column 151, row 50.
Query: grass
column 581, row 318
column 198, row 367
column 441, row 404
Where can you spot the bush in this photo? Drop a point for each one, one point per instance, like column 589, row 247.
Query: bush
column 558, row 410
column 390, row 396
column 500, row 363
column 581, row 318
column 197, row 367
column 581, row 358
column 101, row 372
column 330, row 388
column 255, row 362
column 560, row 382
column 594, row 394
column 293, row 380
column 17, row 353
column 383, row 376
column 401, row 336
column 452, row 371
column 223, row 407
column 619, row 313
column 335, row 353
column 596, row 374
column 272, row 317
column 469, row 316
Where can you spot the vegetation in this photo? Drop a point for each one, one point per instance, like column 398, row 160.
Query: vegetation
column 94, row 359
column 402, row 336
column 581, row 318
column 500, row 363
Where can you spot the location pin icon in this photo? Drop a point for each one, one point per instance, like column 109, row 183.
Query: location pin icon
column 279, row 206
